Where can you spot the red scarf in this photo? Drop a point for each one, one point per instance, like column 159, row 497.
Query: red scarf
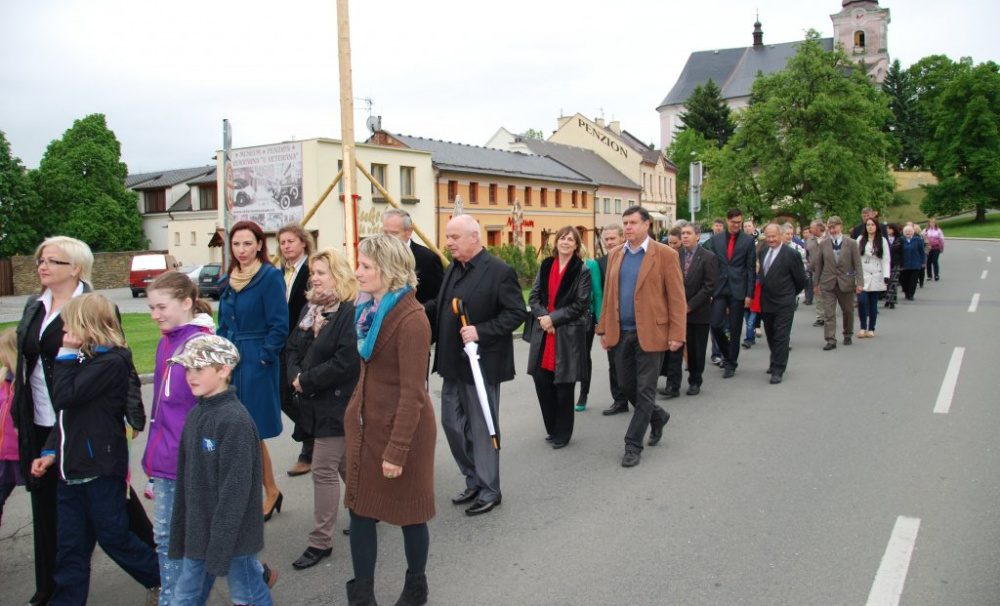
column 549, row 353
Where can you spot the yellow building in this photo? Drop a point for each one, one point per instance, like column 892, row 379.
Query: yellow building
column 489, row 182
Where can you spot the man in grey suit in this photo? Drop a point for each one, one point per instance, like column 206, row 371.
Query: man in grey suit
column 701, row 269
column 817, row 232
column 782, row 278
column 838, row 276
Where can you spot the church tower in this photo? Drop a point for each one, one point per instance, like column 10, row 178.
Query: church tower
column 861, row 27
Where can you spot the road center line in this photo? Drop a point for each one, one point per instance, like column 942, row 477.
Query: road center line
column 974, row 304
column 983, row 277
column 891, row 575
column 943, row 404
column 988, row 259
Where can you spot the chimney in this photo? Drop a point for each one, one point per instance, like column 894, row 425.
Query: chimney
column 758, row 34
column 616, row 127
column 600, row 122
column 562, row 121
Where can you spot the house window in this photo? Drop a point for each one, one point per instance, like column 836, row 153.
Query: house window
column 155, row 201
column 194, row 239
column 527, row 238
column 493, row 238
column 452, row 191
column 575, row 198
column 493, row 193
column 406, row 181
column 177, row 238
column 207, row 199
column 378, row 171
column 511, row 192
column 583, row 200
column 527, row 196
column 607, row 206
column 631, row 203
column 558, row 198
column 859, row 39
column 544, row 197
column 618, row 206
column 473, row 193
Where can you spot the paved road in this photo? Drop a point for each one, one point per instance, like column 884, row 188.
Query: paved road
column 758, row 494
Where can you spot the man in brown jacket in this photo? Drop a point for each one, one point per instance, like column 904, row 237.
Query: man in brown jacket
column 644, row 315
column 838, row 275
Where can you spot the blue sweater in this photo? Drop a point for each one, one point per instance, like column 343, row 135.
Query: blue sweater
column 627, row 278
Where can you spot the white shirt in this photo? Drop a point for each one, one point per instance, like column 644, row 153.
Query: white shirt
column 644, row 246
column 45, row 414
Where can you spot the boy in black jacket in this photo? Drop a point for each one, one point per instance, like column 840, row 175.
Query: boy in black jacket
column 217, row 526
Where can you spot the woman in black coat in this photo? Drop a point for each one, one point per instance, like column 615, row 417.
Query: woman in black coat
column 557, row 359
column 323, row 368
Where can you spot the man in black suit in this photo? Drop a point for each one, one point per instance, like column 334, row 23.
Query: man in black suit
column 397, row 222
column 613, row 237
column 701, row 269
column 495, row 307
column 735, row 252
column 782, row 278
column 295, row 246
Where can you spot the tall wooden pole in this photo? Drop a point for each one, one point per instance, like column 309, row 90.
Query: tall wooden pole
column 347, row 130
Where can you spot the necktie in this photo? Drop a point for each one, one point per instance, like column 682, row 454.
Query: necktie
column 836, row 250
column 289, row 274
column 732, row 242
column 688, row 256
column 768, row 260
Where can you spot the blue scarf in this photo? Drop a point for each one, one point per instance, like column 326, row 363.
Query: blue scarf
column 368, row 319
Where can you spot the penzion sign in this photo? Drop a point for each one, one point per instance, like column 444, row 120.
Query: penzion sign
column 603, row 137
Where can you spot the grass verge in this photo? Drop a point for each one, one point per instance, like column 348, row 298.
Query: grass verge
column 963, row 227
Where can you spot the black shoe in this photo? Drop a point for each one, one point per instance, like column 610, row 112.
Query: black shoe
column 937, row 278
column 748, row 344
column 311, row 557
column 656, row 429
column 848, row 341
column 728, row 373
column 807, row 302
column 558, row 445
column 829, row 346
column 631, row 459
column 819, row 323
column 717, row 361
column 776, row 378
column 466, row 496
column 361, row 593
column 615, row 409
column 275, row 507
column 481, row 507
column 414, row 590
column 549, row 438
column 669, row 392
column 694, row 390
column 39, row 599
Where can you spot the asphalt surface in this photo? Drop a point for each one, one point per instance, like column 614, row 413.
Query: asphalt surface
column 758, row 494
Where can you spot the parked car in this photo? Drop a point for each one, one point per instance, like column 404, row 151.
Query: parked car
column 208, row 281
column 146, row 267
column 192, row 271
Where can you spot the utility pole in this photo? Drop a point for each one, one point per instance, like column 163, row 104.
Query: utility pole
column 347, row 131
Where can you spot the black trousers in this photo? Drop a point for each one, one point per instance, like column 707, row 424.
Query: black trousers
column 556, row 403
column 729, row 344
column 588, row 371
column 778, row 328
column 290, row 406
column 908, row 280
column 696, row 348
column 617, row 393
column 44, row 508
column 638, row 372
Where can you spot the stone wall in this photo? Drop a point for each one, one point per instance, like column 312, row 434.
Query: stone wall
column 110, row 271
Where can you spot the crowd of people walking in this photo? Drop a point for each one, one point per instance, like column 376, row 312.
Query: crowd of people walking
column 346, row 354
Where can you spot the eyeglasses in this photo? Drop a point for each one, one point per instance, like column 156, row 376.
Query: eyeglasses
column 50, row 262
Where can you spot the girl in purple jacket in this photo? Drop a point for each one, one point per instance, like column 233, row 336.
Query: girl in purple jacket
column 175, row 306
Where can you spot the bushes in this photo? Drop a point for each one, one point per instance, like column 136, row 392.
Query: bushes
column 525, row 262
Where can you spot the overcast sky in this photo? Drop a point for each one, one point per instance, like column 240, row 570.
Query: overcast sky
column 166, row 73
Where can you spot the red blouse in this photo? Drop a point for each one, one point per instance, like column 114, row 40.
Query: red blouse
column 549, row 353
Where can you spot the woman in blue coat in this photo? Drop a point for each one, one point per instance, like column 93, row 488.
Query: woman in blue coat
column 253, row 314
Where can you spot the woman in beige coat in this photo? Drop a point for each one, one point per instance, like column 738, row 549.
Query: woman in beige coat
column 389, row 424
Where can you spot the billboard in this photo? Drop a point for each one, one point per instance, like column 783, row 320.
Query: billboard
column 267, row 185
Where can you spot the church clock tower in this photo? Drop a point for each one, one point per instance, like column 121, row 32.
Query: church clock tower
column 861, row 27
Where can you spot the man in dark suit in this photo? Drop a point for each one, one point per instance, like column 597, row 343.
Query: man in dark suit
column 701, row 270
column 643, row 316
column 495, row 307
column 613, row 237
column 839, row 276
column 397, row 222
column 735, row 252
column 295, row 246
column 782, row 278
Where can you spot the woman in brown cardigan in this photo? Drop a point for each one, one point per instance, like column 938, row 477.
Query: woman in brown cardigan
column 389, row 423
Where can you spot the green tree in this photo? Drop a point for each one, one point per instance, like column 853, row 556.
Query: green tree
column 688, row 145
column 708, row 114
column 927, row 79
column 812, row 142
column 963, row 148
column 81, row 181
column 20, row 231
column 532, row 134
column 907, row 138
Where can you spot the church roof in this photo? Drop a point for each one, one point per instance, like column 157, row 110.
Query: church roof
column 733, row 69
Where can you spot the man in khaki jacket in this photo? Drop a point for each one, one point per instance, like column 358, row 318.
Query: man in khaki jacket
column 644, row 315
column 838, row 275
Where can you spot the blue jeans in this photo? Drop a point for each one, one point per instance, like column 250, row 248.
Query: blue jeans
column 95, row 512
column 750, row 317
column 245, row 576
column 163, row 508
column 868, row 309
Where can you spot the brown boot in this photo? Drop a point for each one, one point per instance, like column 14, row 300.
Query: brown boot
column 300, row 468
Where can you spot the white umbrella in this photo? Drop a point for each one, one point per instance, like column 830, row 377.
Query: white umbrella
column 472, row 351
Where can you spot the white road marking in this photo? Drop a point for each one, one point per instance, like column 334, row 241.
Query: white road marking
column 943, row 404
column 891, row 575
column 983, row 277
column 974, row 304
column 989, row 259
